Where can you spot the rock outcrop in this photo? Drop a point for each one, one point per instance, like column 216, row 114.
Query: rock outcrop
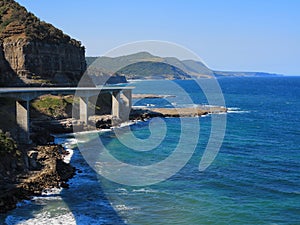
column 33, row 52
column 46, row 170
column 7, row 75
column 43, row 63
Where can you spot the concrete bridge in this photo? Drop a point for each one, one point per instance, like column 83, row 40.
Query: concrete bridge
column 23, row 96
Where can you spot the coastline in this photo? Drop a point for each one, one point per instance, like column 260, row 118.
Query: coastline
column 48, row 164
column 66, row 205
column 47, row 170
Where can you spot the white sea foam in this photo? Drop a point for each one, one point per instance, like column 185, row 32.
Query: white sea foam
column 71, row 143
column 43, row 218
column 123, row 208
column 66, row 143
column 125, row 124
column 240, row 111
column 52, row 191
column 122, row 190
column 67, row 158
column 236, row 110
column 48, row 194
column 138, row 106
column 233, row 108
column 145, row 190
column 206, row 115
column 46, row 218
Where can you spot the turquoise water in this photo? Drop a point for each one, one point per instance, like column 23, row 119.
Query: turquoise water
column 255, row 178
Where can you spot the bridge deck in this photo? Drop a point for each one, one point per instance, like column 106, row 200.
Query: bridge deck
column 28, row 93
column 23, row 96
column 33, row 92
column 33, row 89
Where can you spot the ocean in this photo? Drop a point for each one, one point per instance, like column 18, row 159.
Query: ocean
column 253, row 179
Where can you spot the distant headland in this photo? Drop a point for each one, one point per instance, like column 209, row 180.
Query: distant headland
column 143, row 65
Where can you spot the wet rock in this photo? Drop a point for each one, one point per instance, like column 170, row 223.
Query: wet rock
column 54, row 172
column 103, row 124
column 32, row 159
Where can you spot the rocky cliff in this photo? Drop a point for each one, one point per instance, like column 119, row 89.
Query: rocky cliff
column 7, row 75
column 43, row 62
column 33, row 52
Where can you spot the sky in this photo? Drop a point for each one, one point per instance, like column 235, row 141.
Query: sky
column 233, row 35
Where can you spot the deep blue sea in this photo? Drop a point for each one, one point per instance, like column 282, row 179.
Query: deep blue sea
column 254, row 178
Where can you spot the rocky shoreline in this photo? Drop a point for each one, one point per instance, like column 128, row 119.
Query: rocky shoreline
column 46, row 170
column 146, row 113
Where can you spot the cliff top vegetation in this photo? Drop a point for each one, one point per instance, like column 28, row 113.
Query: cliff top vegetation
column 16, row 23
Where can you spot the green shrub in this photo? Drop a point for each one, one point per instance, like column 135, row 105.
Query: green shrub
column 8, row 145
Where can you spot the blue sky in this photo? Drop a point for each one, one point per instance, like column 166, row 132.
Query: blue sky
column 244, row 35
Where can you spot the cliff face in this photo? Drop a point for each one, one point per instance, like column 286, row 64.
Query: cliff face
column 35, row 53
column 41, row 62
column 7, row 75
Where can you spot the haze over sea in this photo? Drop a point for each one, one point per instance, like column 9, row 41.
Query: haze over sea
column 255, row 178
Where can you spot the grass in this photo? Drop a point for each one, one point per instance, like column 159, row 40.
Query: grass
column 53, row 106
column 61, row 106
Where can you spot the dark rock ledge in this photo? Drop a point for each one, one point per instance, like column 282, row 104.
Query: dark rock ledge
column 43, row 169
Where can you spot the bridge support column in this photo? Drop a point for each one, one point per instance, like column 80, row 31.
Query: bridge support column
column 121, row 106
column 126, row 104
column 84, row 109
column 23, row 121
column 115, row 111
